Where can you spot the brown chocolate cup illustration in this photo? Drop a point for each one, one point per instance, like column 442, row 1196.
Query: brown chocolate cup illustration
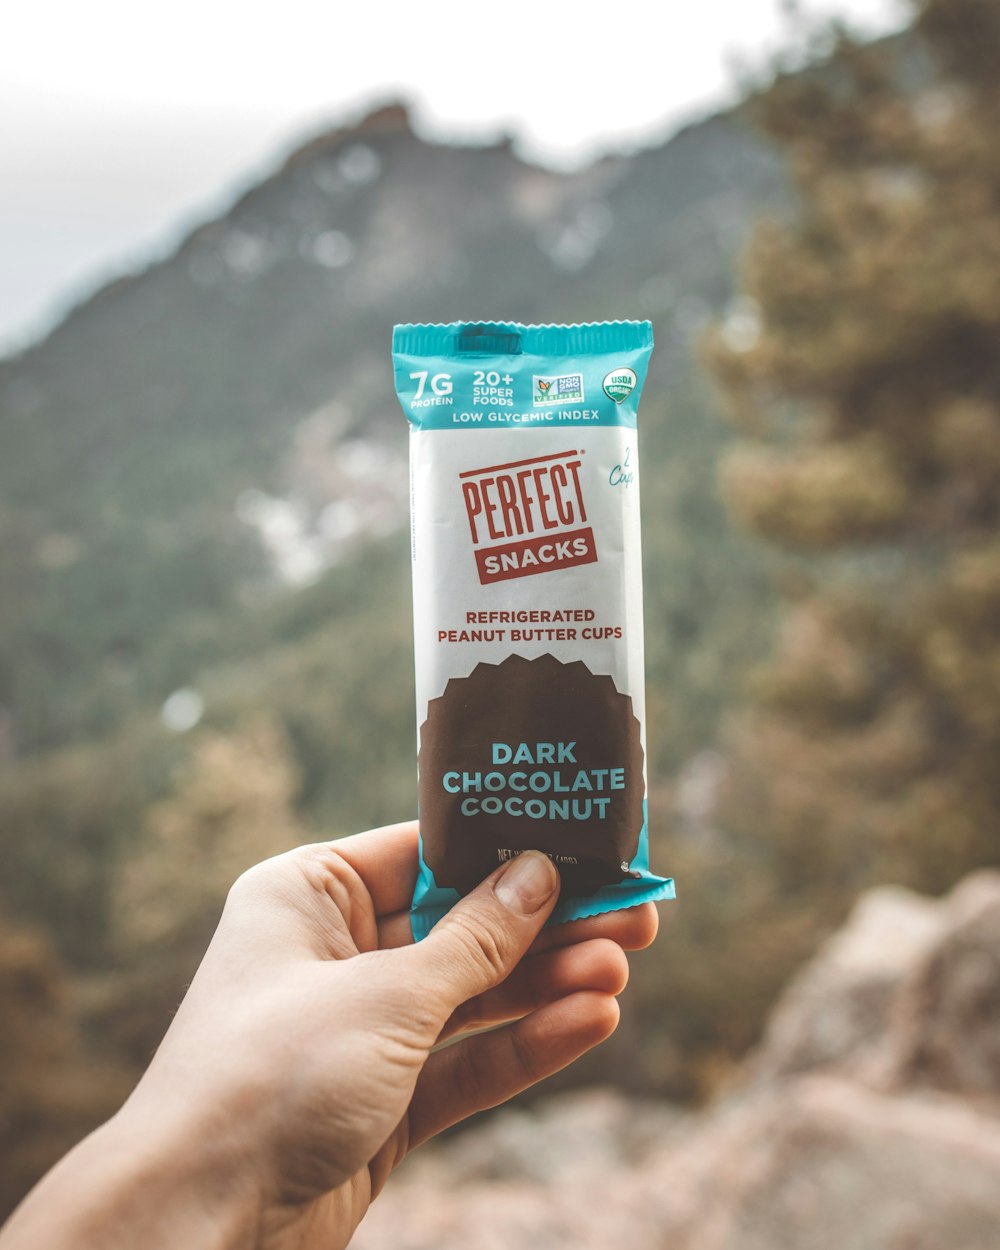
column 522, row 703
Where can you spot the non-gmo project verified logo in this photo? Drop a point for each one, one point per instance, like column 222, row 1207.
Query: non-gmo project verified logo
column 563, row 388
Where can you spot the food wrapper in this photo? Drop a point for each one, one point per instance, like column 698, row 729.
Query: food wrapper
column 527, row 607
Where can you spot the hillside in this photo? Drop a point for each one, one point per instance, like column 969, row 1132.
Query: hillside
column 172, row 450
column 203, row 488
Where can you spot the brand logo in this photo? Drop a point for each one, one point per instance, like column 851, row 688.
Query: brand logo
column 528, row 517
column 619, row 384
column 562, row 388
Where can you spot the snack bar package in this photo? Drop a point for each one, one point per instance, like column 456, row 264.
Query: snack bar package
column 527, row 607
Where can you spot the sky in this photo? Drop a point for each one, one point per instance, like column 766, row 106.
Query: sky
column 122, row 125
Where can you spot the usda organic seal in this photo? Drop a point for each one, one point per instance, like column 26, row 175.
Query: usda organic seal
column 619, row 384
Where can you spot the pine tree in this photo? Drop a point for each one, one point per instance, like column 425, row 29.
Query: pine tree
column 866, row 373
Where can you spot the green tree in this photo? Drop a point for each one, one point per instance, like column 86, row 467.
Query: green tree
column 52, row 1088
column 869, row 387
column 232, row 805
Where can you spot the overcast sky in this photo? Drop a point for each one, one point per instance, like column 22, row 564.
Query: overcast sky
column 122, row 124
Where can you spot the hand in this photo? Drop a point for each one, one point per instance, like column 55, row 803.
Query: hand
column 302, row 1065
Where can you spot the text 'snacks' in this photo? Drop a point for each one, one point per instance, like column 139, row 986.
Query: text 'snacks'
column 527, row 595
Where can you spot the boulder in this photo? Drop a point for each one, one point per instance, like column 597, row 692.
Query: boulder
column 834, row 1014
column 870, row 1120
column 905, row 995
column 823, row 1164
column 816, row 1163
column 944, row 1022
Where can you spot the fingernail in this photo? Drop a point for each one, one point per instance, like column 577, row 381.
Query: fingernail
column 528, row 883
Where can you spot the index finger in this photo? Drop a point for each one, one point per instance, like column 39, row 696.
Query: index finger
column 632, row 928
column 386, row 861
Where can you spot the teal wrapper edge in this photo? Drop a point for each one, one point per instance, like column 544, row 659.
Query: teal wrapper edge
column 438, row 339
column 518, row 353
column 432, row 903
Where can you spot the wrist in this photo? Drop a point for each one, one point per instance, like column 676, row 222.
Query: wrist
column 149, row 1181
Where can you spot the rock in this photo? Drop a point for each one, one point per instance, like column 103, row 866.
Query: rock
column 944, row 1026
column 906, row 994
column 554, row 1176
column 824, row 1164
column 818, row 1163
column 835, row 1011
column 584, row 1133
column 871, row 1121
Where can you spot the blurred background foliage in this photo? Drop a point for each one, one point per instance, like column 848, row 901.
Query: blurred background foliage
column 205, row 641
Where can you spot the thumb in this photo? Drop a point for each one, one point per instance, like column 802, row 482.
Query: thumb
column 479, row 942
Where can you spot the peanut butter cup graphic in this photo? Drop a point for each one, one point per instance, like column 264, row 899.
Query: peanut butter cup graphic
column 531, row 754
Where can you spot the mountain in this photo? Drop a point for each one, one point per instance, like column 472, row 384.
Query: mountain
column 203, row 481
column 225, row 420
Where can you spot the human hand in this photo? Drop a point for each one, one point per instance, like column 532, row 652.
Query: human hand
column 301, row 1066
